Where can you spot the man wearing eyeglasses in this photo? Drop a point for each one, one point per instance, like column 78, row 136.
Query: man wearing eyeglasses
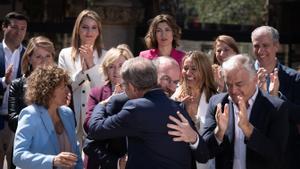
column 168, row 74
column 143, row 119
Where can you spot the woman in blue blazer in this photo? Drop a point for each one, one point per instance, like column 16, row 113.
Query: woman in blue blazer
column 45, row 136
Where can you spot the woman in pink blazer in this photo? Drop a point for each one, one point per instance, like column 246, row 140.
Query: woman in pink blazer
column 162, row 39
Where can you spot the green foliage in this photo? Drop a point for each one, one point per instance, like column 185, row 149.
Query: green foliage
column 244, row 12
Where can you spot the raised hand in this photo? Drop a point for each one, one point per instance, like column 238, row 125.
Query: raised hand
column 274, row 83
column 86, row 54
column 181, row 130
column 261, row 76
column 123, row 161
column 118, row 89
column 65, row 159
column 243, row 121
column 222, row 119
column 8, row 74
column 218, row 77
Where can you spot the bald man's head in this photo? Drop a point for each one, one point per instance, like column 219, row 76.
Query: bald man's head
column 168, row 73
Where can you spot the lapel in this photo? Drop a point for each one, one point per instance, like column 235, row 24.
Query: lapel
column 68, row 127
column 49, row 127
column 259, row 114
column 106, row 91
column 20, row 62
column 2, row 61
column 231, row 126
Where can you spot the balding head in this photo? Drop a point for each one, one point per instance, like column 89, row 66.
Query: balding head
column 168, row 73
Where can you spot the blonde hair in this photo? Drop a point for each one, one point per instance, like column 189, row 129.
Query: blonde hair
column 35, row 42
column 111, row 56
column 204, row 72
column 42, row 82
column 75, row 44
column 150, row 38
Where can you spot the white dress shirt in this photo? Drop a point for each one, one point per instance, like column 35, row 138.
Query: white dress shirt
column 239, row 159
column 11, row 57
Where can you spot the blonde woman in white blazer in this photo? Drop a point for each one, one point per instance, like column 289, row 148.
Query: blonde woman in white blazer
column 82, row 61
column 196, row 87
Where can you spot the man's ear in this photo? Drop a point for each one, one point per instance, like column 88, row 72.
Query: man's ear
column 277, row 45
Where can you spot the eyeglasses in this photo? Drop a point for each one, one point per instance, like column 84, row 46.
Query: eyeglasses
column 169, row 80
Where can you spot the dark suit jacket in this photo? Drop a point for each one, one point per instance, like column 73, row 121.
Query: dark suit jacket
column 266, row 147
column 289, row 87
column 106, row 153
column 144, row 121
column 2, row 74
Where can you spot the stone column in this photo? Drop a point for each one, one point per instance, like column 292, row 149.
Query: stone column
column 119, row 20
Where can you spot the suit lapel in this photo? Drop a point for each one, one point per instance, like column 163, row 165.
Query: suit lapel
column 258, row 113
column 49, row 127
column 2, row 61
column 231, row 124
column 20, row 62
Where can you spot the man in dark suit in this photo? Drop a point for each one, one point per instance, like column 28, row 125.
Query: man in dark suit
column 110, row 153
column 245, row 128
column 14, row 28
column 143, row 119
column 279, row 80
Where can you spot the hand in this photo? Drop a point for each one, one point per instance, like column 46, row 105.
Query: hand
column 181, row 130
column 261, row 76
column 118, row 89
column 122, row 162
column 86, row 53
column 65, row 159
column 274, row 83
column 217, row 72
column 69, row 97
column 243, row 121
column 8, row 74
column 222, row 119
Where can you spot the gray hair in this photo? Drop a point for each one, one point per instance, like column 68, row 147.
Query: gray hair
column 239, row 61
column 266, row 29
column 140, row 72
column 164, row 60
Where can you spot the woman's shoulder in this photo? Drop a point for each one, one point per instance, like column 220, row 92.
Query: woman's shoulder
column 66, row 111
column 65, row 51
column 151, row 53
column 31, row 112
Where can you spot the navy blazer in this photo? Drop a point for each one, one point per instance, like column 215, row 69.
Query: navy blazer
column 266, row 147
column 289, row 87
column 106, row 153
column 144, row 121
column 2, row 68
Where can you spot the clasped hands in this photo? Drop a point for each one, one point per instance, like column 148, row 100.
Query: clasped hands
column 86, row 54
column 222, row 120
column 274, row 81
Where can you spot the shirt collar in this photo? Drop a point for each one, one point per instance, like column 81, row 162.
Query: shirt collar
column 5, row 47
column 257, row 66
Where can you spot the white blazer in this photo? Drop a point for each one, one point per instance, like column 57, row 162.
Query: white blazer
column 82, row 82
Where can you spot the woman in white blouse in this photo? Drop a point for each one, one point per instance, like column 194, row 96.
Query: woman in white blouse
column 196, row 87
column 82, row 61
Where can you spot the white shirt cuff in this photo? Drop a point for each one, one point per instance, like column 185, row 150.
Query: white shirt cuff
column 195, row 145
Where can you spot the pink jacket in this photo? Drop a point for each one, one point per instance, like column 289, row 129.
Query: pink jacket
column 153, row 53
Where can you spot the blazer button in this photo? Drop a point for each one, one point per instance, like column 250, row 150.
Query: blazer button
column 83, row 105
column 83, row 91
